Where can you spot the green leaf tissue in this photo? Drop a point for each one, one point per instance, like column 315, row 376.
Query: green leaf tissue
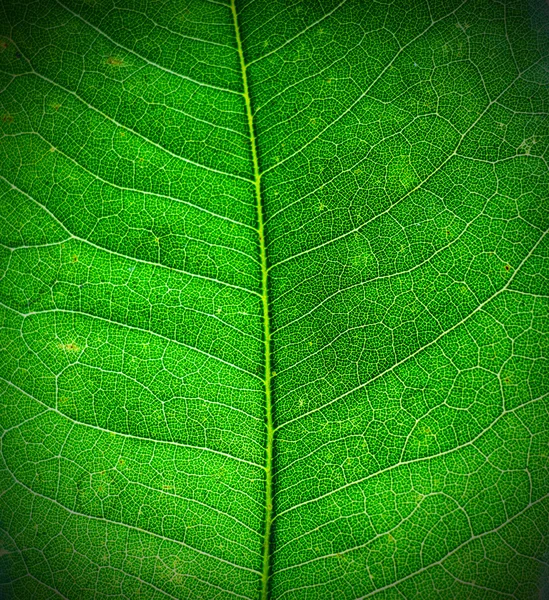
column 274, row 299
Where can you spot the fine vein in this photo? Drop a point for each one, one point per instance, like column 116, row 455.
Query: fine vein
column 266, row 331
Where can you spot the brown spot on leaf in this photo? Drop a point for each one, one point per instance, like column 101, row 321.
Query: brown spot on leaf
column 7, row 118
column 115, row 62
column 70, row 347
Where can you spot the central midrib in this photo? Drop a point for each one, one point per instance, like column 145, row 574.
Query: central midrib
column 266, row 327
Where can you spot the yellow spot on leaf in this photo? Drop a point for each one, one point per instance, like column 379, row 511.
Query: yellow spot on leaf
column 527, row 145
column 70, row 347
column 115, row 62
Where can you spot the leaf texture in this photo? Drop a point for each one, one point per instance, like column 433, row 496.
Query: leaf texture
column 274, row 299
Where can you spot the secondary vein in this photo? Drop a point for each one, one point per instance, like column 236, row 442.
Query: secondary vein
column 266, row 326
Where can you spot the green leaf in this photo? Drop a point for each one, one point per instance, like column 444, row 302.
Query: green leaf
column 274, row 299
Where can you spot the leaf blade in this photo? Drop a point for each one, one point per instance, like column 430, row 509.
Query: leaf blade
column 341, row 207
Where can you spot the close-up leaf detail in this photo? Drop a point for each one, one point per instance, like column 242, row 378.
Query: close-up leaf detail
column 274, row 299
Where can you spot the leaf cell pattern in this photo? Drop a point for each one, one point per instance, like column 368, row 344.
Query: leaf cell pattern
column 274, row 298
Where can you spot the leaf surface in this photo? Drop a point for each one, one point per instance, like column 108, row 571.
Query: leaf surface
column 274, row 299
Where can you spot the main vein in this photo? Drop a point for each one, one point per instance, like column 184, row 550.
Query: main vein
column 266, row 327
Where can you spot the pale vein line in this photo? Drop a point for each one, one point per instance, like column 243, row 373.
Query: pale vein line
column 428, row 345
column 184, row 308
column 16, row 248
column 173, row 32
column 386, row 276
column 128, row 436
column 146, row 60
column 405, row 463
column 60, row 457
column 17, row 550
column 198, row 120
column 290, row 40
column 136, row 133
column 457, row 548
column 154, row 394
column 427, row 260
column 185, row 575
column 478, row 586
column 146, row 192
column 132, row 328
column 137, row 191
column 203, row 505
column 128, row 526
column 218, row 3
column 367, row 90
column 529, row 294
column 408, row 462
column 125, row 256
column 341, row 333
column 373, row 539
column 347, row 170
column 436, row 563
column 49, row 587
column 129, row 129
column 413, row 190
